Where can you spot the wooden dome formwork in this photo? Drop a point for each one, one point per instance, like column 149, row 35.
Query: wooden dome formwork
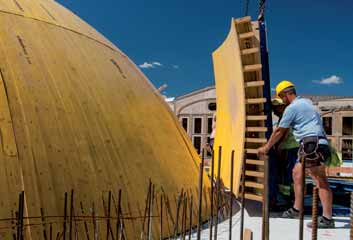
column 76, row 113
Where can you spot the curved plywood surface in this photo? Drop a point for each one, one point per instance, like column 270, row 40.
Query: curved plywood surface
column 230, row 105
column 240, row 111
column 76, row 113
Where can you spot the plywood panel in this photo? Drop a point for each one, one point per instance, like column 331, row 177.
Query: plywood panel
column 78, row 114
column 230, row 133
column 240, row 116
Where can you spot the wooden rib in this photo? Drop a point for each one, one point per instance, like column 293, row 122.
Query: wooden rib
column 253, row 197
column 250, row 51
column 254, row 84
column 256, row 118
column 255, row 162
column 252, row 67
column 254, row 185
column 256, row 140
column 256, row 129
column 246, row 35
column 246, row 19
column 254, row 174
column 255, row 100
column 248, row 150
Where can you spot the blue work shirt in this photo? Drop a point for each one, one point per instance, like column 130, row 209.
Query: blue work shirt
column 304, row 119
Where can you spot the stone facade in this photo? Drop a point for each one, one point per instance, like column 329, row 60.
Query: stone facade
column 196, row 118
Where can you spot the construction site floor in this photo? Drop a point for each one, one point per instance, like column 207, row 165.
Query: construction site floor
column 280, row 228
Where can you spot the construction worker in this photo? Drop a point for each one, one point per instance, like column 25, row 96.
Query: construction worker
column 305, row 120
column 286, row 153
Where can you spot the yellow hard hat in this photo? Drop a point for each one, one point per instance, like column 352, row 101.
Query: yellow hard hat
column 283, row 85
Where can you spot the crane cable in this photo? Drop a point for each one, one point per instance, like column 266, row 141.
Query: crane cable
column 261, row 9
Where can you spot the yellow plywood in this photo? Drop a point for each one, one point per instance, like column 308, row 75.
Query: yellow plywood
column 76, row 113
column 240, row 116
column 230, row 93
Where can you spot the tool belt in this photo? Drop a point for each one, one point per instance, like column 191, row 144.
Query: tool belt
column 312, row 152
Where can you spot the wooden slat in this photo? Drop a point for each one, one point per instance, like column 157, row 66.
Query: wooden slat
column 255, row 100
column 246, row 19
column 252, row 67
column 250, row 51
column 255, row 162
column 254, row 174
column 256, row 140
column 254, row 151
column 254, row 185
column 254, row 84
column 253, row 197
column 256, row 129
column 247, row 35
column 256, row 118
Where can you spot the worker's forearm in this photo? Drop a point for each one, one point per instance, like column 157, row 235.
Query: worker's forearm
column 275, row 137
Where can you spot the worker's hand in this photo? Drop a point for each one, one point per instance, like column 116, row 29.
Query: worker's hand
column 262, row 150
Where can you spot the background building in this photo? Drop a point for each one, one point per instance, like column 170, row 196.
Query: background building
column 196, row 118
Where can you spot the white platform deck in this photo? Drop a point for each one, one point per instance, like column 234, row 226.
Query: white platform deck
column 280, row 229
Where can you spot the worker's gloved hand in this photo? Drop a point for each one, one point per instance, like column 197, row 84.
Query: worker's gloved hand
column 262, row 150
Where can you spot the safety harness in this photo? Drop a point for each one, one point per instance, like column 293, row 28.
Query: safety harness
column 308, row 151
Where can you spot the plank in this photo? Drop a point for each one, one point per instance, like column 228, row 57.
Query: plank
column 253, row 151
column 254, row 84
column 256, row 117
column 254, row 185
column 256, row 129
column 256, row 140
column 254, row 174
column 255, row 162
column 255, row 100
column 254, row 197
column 246, row 35
column 252, row 68
column 250, row 51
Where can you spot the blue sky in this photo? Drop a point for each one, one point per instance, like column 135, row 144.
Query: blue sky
column 310, row 42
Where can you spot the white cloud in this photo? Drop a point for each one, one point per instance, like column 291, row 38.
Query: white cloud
column 175, row 66
column 330, row 80
column 146, row 65
column 157, row 64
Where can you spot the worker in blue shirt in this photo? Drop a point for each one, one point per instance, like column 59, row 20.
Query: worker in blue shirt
column 305, row 121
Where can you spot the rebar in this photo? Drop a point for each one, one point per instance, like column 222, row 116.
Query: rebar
column 71, row 213
column 176, row 225
column 200, row 195
column 301, row 214
column 212, row 195
column 161, row 219
column 231, row 195
column 118, row 213
column 265, row 206
column 149, row 235
column 85, row 223
column 183, row 224
column 108, row 215
column 190, row 217
column 314, row 213
column 20, row 216
column 43, row 223
column 65, row 216
column 218, row 190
